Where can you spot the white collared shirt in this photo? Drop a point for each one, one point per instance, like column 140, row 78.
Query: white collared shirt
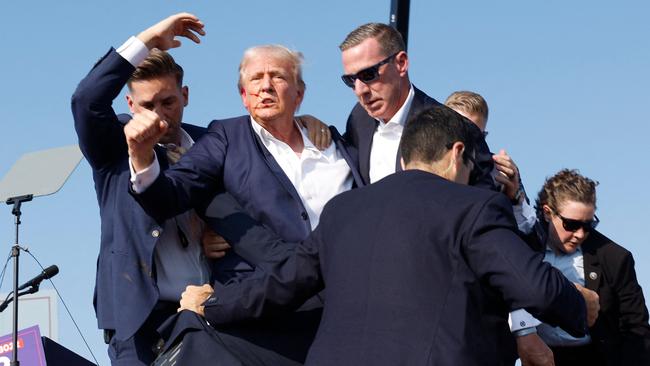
column 385, row 141
column 316, row 175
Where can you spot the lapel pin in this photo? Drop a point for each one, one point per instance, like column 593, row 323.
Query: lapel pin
column 593, row 275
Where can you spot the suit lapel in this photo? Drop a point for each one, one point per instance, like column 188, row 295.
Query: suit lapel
column 273, row 165
column 593, row 270
column 341, row 146
column 367, row 129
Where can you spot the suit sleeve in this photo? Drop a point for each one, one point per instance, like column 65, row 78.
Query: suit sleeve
column 281, row 286
column 101, row 136
column 481, row 176
column 633, row 321
column 194, row 180
column 501, row 259
column 253, row 241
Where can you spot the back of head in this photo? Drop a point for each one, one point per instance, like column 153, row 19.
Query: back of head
column 388, row 37
column 157, row 65
column 566, row 185
column 430, row 134
column 294, row 58
column 468, row 102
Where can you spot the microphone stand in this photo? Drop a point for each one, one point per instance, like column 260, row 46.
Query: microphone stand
column 15, row 253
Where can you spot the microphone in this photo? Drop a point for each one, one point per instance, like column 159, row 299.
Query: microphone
column 47, row 273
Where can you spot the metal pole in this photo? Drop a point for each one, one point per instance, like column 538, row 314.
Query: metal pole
column 399, row 17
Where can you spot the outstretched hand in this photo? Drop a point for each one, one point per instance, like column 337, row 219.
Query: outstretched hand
column 163, row 34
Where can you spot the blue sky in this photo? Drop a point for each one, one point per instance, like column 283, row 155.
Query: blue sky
column 565, row 80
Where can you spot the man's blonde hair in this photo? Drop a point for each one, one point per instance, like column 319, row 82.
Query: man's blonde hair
column 468, row 102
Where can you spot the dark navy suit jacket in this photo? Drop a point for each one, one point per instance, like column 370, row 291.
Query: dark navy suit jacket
column 230, row 157
column 416, row 270
column 361, row 127
column 125, row 290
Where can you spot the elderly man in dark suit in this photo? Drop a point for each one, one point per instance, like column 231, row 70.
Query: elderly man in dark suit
column 418, row 269
column 375, row 65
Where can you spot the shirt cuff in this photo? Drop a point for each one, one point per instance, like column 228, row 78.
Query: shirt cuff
column 143, row 179
column 525, row 216
column 134, row 51
column 521, row 319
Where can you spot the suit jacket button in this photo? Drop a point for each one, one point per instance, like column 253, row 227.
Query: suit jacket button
column 155, row 233
column 304, row 216
column 593, row 275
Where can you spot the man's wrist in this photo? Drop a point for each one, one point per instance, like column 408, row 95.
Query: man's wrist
column 516, row 200
column 524, row 331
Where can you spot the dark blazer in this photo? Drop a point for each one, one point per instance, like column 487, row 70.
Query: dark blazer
column 125, row 289
column 232, row 158
column 416, row 270
column 621, row 332
column 361, row 127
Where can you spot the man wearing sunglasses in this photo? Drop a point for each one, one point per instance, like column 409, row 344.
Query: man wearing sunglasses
column 375, row 67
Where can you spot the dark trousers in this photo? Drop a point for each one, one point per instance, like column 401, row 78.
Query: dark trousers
column 141, row 348
column 587, row 355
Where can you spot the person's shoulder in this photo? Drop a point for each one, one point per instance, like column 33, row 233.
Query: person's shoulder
column 238, row 122
column 424, row 98
column 606, row 248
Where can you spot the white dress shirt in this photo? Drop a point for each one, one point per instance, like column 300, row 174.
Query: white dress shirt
column 385, row 141
column 317, row 175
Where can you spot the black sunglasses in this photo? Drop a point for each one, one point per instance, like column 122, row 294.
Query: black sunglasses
column 367, row 75
column 573, row 225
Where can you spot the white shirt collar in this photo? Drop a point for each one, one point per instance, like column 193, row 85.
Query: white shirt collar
column 268, row 138
column 402, row 113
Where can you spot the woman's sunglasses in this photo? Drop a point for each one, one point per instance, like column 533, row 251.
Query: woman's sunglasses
column 573, row 225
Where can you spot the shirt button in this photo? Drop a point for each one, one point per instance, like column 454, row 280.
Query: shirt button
column 155, row 233
column 304, row 216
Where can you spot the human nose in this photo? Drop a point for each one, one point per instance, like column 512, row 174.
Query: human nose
column 580, row 233
column 360, row 87
column 267, row 83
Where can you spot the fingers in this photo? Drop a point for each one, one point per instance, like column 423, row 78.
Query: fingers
column 325, row 139
column 162, row 35
column 145, row 126
column 214, row 245
column 592, row 302
column 317, row 131
column 193, row 298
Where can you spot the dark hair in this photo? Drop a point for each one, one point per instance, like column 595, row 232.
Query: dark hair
column 157, row 64
column 430, row 134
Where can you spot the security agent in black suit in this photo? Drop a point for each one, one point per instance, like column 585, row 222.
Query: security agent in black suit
column 375, row 66
column 418, row 269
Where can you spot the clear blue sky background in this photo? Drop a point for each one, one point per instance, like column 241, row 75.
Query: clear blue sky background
column 566, row 82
